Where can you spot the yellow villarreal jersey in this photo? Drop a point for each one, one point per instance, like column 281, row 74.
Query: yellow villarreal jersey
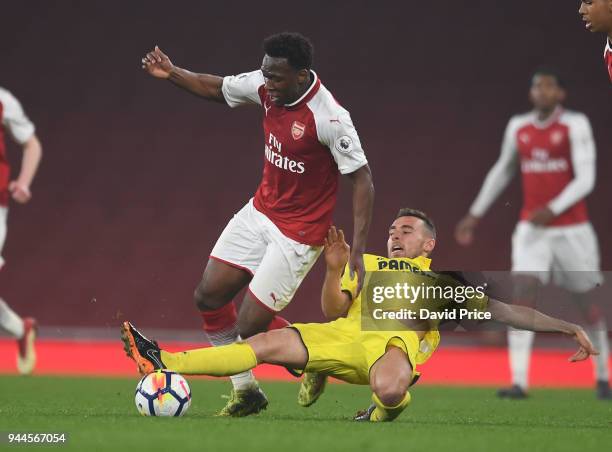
column 415, row 271
column 374, row 263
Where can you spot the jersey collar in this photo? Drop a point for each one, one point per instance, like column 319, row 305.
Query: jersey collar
column 309, row 94
column 554, row 117
column 424, row 262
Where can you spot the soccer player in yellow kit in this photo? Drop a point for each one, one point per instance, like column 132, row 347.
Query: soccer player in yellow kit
column 386, row 360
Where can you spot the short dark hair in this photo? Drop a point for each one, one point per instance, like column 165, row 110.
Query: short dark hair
column 407, row 212
column 295, row 47
column 550, row 72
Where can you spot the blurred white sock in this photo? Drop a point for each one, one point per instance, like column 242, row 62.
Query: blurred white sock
column 519, row 351
column 10, row 321
column 599, row 335
column 226, row 337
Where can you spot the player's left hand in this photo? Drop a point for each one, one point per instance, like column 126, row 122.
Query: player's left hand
column 542, row 216
column 586, row 348
column 20, row 192
column 357, row 267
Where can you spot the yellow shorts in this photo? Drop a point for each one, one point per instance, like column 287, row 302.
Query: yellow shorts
column 349, row 355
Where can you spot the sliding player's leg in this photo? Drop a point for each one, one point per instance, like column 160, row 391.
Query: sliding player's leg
column 390, row 378
column 281, row 347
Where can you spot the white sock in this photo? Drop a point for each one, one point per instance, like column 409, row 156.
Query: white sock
column 10, row 321
column 227, row 337
column 599, row 335
column 519, row 348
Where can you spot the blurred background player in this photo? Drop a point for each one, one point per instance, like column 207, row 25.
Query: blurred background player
column 555, row 151
column 15, row 122
column 273, row 242
column 597, row 15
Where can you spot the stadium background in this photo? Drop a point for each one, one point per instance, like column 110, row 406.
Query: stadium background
column 139, row 178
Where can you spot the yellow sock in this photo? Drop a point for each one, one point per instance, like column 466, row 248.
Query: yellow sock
column 215, row 361
column 384, row 413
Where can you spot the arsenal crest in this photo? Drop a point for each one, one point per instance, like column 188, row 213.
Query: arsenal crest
column 297, row 130
column 556, row 137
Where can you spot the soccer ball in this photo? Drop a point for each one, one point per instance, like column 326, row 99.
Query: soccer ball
column 163, row 393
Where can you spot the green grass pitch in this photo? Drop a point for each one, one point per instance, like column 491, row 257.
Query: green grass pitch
column 99, row 414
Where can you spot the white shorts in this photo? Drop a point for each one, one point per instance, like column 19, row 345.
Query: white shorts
column 569, row 253
column 251, row 242
column 3, row 216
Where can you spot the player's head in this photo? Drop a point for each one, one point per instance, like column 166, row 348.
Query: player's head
column 412, row 234
column 547, row 89
column 597, row 15
column 286, row 66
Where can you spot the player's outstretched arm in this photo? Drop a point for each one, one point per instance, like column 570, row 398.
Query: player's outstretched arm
column 334, row 302
column 158, row 65
column 525, row 318
column 363, row 204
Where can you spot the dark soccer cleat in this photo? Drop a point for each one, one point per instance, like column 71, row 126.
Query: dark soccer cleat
column 244, row 402
column 603, row 390
column 365, row 415
column 144, row 352
column 26, row 354
column 514, row 392
column 311, row 388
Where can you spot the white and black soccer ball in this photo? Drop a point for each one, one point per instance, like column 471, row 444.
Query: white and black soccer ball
column 163, row 393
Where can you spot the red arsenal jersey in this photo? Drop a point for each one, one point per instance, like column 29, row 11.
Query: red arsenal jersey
column 14, row 121
column 608, row 57
column 548, row 152
column 306, row 145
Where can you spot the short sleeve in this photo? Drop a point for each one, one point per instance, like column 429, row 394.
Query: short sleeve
column 242, row 89
column 14, row 118
column 340, row 136
column 347, row 284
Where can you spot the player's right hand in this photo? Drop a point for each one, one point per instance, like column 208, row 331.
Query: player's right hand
column 337, row 251
column 585, row 348
column 157, row 63
column 20, row 192
column 464, row 232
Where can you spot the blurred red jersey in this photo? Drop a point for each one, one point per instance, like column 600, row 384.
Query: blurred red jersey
column 14, row 121
column 547, row 152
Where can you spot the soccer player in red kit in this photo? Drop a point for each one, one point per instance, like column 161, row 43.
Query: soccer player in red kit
column 597, row 15
column 555, row 152
column 15, row 123
column 272, row 243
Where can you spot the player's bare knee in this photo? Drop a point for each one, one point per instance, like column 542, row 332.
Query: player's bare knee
column 390, row 389
column 261, row 345
column 206, row 298
column 391, row 395
column 266, row 345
